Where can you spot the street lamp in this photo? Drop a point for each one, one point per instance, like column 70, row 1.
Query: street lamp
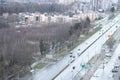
column 32, row 71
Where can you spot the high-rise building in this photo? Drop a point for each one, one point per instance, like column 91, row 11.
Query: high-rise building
column 66, row 2
column 100, row 4
column 94, row 4
column 106, row 4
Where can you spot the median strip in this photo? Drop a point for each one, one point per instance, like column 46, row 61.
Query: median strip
column 84, row 50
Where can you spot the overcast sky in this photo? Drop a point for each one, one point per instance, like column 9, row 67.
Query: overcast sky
column 111, row 0
column 89, row 0
column 60, row 0
column 114, row 0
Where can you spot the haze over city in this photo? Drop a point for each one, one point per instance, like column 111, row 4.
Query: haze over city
column 59, row 40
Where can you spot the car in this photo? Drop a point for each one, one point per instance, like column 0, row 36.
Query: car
column 101, row 10
column 116, row 66
column 119, row 57
column 71, row 52
column 74, row 57
column 106, row 60
column 108, row 55
column 70, row 56
column 119, row 77
column 115, row 70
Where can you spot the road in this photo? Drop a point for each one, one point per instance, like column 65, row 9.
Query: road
column 50, row 72
column 95, row 63
column 69, row 73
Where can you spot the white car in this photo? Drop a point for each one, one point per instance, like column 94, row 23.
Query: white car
column 108, row 55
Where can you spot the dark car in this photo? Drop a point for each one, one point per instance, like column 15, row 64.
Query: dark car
column 119, row 57
column 115, row 70
column 116, row 66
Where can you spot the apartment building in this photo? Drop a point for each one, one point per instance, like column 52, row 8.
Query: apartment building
column 31, row 18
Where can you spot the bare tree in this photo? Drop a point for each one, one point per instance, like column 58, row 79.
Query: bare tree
column 3, row 23
column 32, row 7
column 14, row 51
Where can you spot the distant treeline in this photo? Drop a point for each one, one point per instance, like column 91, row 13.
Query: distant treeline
column 32, row 7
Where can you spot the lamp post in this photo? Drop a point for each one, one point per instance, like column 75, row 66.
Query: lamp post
column 32, row 71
